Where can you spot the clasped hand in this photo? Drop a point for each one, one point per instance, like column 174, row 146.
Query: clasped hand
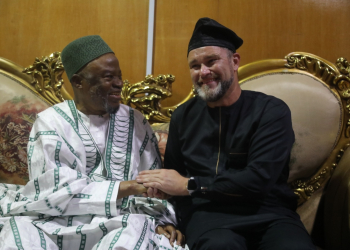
column 163, row 183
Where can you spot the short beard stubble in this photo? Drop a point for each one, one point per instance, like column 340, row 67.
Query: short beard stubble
column 95, row 91
column 213, row 95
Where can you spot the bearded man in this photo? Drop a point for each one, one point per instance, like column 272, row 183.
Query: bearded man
column 83, row 156
column 227, row 156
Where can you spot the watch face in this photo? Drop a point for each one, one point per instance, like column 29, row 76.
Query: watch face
column 191, row 184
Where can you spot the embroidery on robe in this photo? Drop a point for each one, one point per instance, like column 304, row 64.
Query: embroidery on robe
column 16, row 234
column 42, row 239
column 93, row 156
column 118, row 151
column 33, row 139
column 155, row 144
column 83, row 237
column 144, row 143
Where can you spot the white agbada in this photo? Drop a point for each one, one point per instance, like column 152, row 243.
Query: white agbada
column 75, row 166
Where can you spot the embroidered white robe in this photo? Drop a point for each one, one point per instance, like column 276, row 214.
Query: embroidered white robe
column 71, row 201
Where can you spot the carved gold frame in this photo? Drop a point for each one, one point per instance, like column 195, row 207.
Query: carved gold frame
column 46, row 78
column 15, row 72
column 43, row 78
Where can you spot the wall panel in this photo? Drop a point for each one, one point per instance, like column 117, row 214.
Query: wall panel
column 269, row 28
column 37, row 28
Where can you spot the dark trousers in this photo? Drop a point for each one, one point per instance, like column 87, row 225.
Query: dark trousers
column 276, row 236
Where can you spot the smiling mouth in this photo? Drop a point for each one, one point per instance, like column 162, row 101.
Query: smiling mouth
column 207, row 81
column 114, row 94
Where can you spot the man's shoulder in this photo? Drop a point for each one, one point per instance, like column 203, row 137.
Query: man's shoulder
column 193, row 104
column 263, row 100
column 134, row 114
column 125, row 110
column 52, row 111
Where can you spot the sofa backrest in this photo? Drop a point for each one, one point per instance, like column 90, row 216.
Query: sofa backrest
column 315, row 109
column 24, row 92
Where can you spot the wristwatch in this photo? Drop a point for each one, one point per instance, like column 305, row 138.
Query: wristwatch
column 191, row 185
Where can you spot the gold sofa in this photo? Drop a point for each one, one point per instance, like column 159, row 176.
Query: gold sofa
column 316, row 91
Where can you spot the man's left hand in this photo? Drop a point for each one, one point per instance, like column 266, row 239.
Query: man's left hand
column 167, row 180
column 171, row 233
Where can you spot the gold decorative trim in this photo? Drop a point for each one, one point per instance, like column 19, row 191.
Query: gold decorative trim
column 25, row 84
column 304, row 189
column 47, row 77
column 146, row 95
column 168, row 111
column 337, row 77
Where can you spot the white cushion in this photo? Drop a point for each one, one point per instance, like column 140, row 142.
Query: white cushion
column 316, row 116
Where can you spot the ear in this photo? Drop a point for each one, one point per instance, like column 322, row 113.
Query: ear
column 236, row 58
column 76, row 81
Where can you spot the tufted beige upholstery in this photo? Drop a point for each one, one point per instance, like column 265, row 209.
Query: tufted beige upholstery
column 315, row 109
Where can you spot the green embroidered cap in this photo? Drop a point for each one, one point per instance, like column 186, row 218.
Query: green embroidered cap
column 82, row 51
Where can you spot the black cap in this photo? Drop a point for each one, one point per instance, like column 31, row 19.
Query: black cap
column 209, row 32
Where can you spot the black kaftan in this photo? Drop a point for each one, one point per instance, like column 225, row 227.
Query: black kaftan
column 239, row 158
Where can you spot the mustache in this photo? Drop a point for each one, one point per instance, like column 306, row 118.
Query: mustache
column 210, row 76
column 96, row 90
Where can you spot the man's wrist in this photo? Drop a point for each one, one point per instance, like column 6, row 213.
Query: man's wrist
column 138, row 188
column 134, row 188
column 191, row 185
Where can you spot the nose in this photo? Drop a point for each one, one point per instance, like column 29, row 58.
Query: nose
column 204, row 71
column 117, row 82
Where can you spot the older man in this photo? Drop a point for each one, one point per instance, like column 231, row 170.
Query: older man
column 82, row 157
column 229, row 150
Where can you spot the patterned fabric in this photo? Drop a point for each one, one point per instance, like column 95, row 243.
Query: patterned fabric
column 161, row 130
column 16, row 119
column 70, row 201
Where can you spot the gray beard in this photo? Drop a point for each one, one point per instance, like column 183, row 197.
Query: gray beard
column 109, row 109
column 95, row 92
column 213, row 95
